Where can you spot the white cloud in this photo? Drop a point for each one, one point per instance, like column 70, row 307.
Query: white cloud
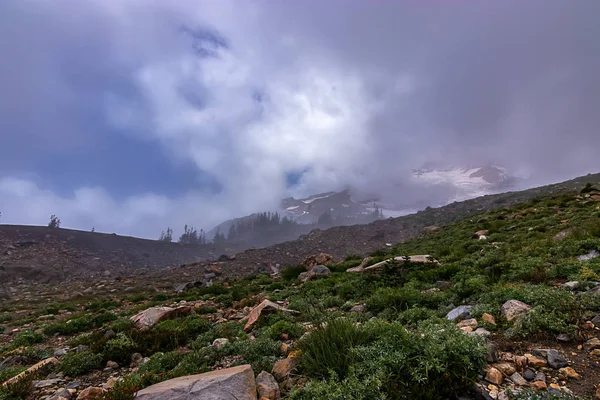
column 351, row 93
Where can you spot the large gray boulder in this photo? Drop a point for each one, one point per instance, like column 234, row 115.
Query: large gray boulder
column 235, row 383
column 514, row 309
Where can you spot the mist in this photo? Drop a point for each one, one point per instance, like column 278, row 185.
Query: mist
column 244, row 95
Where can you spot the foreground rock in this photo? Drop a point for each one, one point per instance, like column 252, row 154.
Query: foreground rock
column 265, row 306
column 146, row 319
column 226, row 384
column 514, row 309
column 92, row 393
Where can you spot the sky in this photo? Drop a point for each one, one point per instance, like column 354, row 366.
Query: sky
column 130, row 115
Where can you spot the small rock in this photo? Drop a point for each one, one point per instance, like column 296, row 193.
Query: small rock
column 466, row 329
column 267, row 386
column 506, row 368
column 47, row 383
column 529, row 374
column 598, row 393
column 110, row 383
column 112, row 364
column 60, row 352
column 555, row 360
column 538, row 386
column 595, row 352
column 109, row 334
column 492, row 353
column 569, row 373
column 481, row 332
column 489, row 318
column 61, row 394
column 572, row 286
column 536, row 362
column 592, row 344
column 459, row 313
column 514, row 309
column 471, row 323
column 540, row 377
column 92, row 393
column 554, row 389
column 283, row 368
column 358, row 308
column 220, row 342
column 265, row 306
column 136, row 360
column 494, row 376
column 563, row 337
column 518, row 379
column 596, row 320
column 589, row 256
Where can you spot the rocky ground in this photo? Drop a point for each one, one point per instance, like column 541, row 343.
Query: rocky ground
column 503, row 304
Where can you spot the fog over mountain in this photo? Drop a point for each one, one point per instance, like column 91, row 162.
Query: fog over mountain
column 131, row 116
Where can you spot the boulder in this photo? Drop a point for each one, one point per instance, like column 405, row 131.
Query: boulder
column 459, row 313
column 265, row 306
column 267, row 386
column 231, row 383
column 514, row 309
column 319, row 271
column 146, row 319
column 317, row 259
column 416, row 259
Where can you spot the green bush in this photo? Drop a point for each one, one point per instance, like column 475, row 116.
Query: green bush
column 161, row 363
column 80, row 324
column 119, row 349
column 10, row 372
column 291, row 273
column 293, row 330
column 532, row 395
column 74, row 364
column 27, row 339
column 102, row 305
column 437, row 361
column 327, row 348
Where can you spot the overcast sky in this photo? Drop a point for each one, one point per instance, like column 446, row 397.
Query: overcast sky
column 133, row 115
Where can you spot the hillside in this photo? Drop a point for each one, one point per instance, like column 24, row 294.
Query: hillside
column 505, row 306
column 42, row 254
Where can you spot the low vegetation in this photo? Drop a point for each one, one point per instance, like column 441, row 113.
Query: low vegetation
column 396, row 345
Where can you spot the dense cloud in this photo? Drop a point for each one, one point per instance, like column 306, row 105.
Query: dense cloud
column 339, row 93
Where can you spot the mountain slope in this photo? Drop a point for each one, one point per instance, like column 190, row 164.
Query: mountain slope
column 343, row 241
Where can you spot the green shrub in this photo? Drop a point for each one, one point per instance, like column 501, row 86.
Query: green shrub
column 261, row 353
column 291, row 273
column 80, row 324
column 161, row 363
column 532, row 395
column 74, row 364
column 10, row 372
column 437, row 361
column 119, row 349
column 125, row 388
column 102, row 305
column 293, row 330
column 205, row 310
column 27, row 339
column 327, row 348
